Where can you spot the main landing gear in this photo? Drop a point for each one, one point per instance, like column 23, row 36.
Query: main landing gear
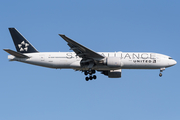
column 161, row 70
column 90, row 72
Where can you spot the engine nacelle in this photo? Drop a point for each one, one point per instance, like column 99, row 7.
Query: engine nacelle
column 113, row 73
column 113, row 62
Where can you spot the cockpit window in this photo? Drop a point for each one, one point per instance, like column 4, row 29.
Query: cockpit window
column 170, row 58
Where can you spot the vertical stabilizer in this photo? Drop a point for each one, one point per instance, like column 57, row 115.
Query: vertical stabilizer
column 22, row 45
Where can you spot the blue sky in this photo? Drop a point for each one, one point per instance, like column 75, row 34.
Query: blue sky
column 30, row 92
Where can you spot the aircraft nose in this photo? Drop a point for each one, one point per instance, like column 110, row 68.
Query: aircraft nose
column 173, row 62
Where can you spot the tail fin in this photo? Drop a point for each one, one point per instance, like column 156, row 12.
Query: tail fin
column 21, row 44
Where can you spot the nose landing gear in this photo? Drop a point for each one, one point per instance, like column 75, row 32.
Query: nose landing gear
column 90, row 72
column 161, row 70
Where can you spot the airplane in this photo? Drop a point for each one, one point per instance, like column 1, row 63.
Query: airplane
column 86, row 60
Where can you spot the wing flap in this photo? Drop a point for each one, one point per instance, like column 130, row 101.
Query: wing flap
column 16, row 54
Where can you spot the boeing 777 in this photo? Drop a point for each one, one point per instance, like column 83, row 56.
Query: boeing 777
column 86, row 60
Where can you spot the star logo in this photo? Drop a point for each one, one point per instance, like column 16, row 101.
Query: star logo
column 23, row 46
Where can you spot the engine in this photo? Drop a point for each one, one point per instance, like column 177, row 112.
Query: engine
column 112, row 73
column 113, row 62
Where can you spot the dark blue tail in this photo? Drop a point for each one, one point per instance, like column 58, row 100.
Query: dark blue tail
column 21, row 44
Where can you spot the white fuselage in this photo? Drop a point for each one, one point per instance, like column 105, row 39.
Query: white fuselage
column 69, row 60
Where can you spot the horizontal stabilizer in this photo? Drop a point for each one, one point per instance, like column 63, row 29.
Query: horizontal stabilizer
column 16, row 54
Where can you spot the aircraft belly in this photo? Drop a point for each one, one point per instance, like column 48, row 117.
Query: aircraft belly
column 140, row 67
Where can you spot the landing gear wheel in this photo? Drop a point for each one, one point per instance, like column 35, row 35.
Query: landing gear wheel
column 94, row 77
column 87, row 78
column 86, row 73
column 160, row 74
column 90, row 72
column 90, row 77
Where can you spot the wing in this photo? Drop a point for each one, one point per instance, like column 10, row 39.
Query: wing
column 81, row 50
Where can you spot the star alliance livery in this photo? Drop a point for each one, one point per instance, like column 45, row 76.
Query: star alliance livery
column 86, row 60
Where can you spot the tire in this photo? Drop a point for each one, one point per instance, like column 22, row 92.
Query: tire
column 87, row 78
column 94, row 76
column 85, row 73
column 90, row 77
